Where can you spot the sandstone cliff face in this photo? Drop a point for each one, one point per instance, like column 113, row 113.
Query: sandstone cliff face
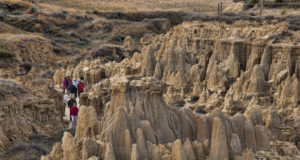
column 152, row 106
column 24, row 113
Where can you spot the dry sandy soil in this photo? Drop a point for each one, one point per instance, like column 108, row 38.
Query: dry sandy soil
column 204, row 6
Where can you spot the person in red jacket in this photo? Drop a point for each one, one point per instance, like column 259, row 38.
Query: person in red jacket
column 80, row 87
column 73, row 115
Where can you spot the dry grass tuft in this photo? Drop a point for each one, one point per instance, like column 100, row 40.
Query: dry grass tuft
column 135, row 30
column 5, row 28
column 19, row 37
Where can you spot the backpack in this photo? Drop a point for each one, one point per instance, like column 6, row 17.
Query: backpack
column 72, row 89
column 71, row 102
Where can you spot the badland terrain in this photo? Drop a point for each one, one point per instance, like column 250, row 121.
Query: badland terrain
column 164, row 80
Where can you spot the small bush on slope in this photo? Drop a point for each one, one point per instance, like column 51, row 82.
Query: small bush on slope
column 6, row 54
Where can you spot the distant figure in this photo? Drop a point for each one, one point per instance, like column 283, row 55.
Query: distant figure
column 69, row 81
column 72, row 91
column 65, row 84
column 66, row 98
column 75, row 82
column 74, row 115
column 80, row 87
column 71, row 102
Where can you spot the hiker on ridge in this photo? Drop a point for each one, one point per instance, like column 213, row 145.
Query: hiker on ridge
column 69, row 80
column 73, row 115
column 72, row 91
column 80, row 87
column 72, row 101
column 75, row 82
column 65, row 84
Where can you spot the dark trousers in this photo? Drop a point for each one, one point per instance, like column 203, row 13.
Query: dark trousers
column 79, row 93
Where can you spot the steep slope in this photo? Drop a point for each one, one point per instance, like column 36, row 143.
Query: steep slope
column 29, row 52
column 24, row 113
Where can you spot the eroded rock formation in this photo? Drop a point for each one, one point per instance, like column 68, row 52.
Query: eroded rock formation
column 223, row 87
column 138, row 124
column 153, row 105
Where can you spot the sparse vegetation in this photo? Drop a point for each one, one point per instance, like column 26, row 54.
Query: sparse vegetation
column 179, row 103
column 135, row 30
column 5, row 54
column 25, row 152
column 194, row 98
column 116, row 38
column 283, row 12
column 18, row 4
column 27, row 66
column 294, row 22
column 143, row 5
column 252, row 3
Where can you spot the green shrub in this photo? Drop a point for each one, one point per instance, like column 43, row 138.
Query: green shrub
column 6, row 54
column 27, row 66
